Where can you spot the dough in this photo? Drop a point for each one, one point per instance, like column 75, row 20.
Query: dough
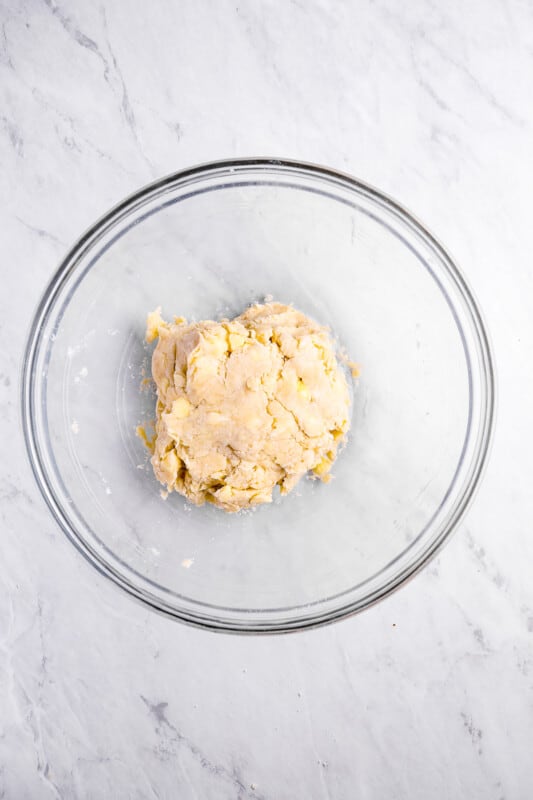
column 245, row 405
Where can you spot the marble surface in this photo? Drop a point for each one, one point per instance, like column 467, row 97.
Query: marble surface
column 430, row 693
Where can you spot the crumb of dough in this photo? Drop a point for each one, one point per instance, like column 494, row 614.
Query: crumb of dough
column 245, row 405
column 149, row 441
column 355, row 369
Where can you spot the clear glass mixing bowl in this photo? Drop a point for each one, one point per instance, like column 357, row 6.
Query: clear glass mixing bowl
column 204, row 243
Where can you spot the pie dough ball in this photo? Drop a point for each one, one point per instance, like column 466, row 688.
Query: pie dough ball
column 245, row 405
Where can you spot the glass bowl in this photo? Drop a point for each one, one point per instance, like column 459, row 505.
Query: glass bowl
column 204, row 243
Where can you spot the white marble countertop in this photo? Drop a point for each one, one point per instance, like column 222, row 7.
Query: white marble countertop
column 430, row 693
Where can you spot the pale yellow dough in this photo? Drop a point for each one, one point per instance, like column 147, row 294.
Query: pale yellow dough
column 245, row 405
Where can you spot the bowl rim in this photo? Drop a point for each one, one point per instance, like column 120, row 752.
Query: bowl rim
column 465, row 496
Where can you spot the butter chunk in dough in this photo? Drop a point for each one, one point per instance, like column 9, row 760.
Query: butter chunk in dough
column 245, row 405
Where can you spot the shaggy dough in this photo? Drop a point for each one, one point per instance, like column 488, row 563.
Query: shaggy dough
column 245, row 405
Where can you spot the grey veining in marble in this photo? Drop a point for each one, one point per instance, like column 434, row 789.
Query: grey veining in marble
column 429, row 694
